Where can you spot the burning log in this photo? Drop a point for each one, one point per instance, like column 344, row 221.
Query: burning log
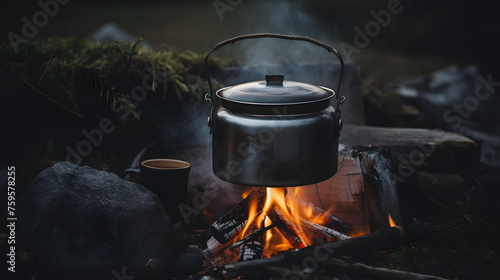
column 327, row 219
column 213, row 247
column 286, row 227
column 365, row 244
column 253, row 246
column 232, row 223
column 252, row 235
column 320, row 230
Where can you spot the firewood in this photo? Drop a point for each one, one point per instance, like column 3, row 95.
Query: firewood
column 373, row 242
column 248, row 237
column 328, row 233
column 232, row 223
column 337, row 265
column 253, row 269
column 213, row 247
column 327, row 219
column 286, row 227
column 253, row 246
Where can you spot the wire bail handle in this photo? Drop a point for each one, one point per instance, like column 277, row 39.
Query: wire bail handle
column 209, row 97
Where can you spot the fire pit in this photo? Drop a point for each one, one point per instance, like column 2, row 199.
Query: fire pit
column 272, row 220
column 275, row 134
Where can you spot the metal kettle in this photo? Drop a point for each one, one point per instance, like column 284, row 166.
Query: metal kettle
column 274, row 132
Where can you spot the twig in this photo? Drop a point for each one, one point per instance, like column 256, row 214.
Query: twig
column 252, row 248
column 337, row 265
column 250, row 236
column 327, row 232
column 48, row 64
column 40, row 92
column 53, row 100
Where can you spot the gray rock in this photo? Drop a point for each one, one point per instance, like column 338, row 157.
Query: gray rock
column 77, row 219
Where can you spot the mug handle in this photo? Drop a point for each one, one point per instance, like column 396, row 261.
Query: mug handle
column 126, row 173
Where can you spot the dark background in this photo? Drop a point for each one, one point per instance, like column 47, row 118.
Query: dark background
column 458, row 31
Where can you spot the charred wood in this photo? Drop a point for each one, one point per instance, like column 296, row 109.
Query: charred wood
column 373, row 242
column 250, row 236
column 327, row 219
column 213, row 247
column 253, row 247
column 232, row 223
column 286, row 227
column 328, row 233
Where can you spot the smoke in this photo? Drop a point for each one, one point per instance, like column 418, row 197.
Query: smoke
column 290, row 18
column 186, row 136
column 296, row 60
column 187, row 132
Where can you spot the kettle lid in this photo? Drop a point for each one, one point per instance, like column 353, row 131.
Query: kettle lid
column 275, row 91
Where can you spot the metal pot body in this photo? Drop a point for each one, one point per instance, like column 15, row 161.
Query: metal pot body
column 275, row 150
column 274, row 133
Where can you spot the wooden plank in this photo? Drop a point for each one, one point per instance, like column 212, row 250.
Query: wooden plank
column 418, row 146
column 380, row 191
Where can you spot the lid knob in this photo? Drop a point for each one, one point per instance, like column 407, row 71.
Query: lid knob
column 275, row 80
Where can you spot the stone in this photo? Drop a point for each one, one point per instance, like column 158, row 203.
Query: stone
column 81, row 221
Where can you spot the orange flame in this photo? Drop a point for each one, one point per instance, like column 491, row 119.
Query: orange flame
column 290, row 204
column 246, row 192
column 275, row 241
column 391, row 221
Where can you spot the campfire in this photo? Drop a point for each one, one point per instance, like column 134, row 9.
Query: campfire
column 282, row 137
column 269, row 221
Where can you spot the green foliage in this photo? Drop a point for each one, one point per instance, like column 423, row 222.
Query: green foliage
column 77, row 73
